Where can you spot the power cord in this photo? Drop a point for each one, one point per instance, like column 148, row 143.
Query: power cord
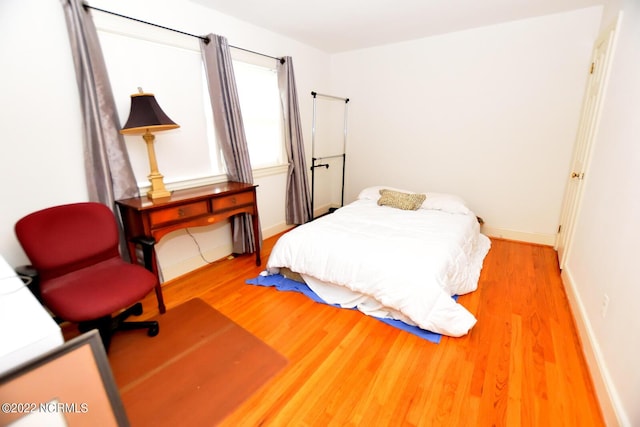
column 198, row 246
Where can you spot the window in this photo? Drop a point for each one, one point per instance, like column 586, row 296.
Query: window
column 261, row 113
column 170, row 67
column 259, row 98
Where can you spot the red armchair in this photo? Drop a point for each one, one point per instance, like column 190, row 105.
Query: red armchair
column 82, row 278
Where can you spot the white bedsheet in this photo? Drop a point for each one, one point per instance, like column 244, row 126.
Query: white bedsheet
column 390, row 262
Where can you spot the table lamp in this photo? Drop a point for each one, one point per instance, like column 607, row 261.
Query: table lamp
column 147, row 116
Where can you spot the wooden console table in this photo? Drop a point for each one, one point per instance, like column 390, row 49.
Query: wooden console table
column 151, row 220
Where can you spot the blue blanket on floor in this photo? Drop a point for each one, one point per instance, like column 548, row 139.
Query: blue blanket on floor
column 281, row 283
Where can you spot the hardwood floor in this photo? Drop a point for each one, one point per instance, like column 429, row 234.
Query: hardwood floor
column 521, row 365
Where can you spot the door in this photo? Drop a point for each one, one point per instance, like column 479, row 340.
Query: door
column 587, row 128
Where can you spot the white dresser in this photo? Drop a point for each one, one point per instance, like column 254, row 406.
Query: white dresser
column 26, row 328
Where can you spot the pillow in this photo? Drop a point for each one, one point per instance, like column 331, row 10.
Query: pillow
column 434, row 201
column 446, row 203
column 373, row 193
column 404, row 201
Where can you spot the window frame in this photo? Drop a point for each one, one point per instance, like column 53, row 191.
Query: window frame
column 144, row 33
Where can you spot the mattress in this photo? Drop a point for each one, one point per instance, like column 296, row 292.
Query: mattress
column 389, row 262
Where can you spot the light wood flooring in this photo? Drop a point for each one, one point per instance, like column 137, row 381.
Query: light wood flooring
column 521, row 365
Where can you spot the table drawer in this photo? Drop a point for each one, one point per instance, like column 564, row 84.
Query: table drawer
column 231, row 201
column 178, row 213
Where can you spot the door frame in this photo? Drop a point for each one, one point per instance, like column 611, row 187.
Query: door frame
column 571, row 203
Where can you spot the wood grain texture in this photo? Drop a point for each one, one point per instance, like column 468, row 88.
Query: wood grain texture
column 192, row 382
column 521, row 365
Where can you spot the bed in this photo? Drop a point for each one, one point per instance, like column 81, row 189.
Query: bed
column 393, row 254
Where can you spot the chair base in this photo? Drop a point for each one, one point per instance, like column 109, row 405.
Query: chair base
column 107, row 325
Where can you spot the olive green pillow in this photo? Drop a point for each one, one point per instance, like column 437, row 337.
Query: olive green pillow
column 397, row 199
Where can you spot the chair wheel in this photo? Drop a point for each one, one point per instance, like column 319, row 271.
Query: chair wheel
column 153, row 331
column 136, row 310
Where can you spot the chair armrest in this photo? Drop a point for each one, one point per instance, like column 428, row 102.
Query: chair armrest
column 30, row 277
column 144, row 241
column 147, row 244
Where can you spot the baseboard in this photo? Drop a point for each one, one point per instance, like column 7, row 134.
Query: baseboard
column 212, row 254
column 521, row 236
column 187, row 265
column 275, row 229
column 325, row 209
column 609, row 400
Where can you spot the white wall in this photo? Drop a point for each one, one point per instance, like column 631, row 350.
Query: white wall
column 41, row 150
column 41, row 162
column 605, row 251
column 488, row 113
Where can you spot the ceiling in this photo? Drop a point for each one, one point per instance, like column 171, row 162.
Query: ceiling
column 342, row 25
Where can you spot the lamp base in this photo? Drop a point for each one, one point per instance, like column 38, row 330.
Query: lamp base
column 158, row 190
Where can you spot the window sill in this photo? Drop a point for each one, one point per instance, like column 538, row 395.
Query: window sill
column 270, row 170
column 208, row 180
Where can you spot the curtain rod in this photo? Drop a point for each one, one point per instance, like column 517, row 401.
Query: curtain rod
column 204, row 38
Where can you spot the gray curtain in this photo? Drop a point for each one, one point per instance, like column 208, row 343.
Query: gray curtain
column 298, row 197
column 107, row 166
column 229, row 127
column 108, row 170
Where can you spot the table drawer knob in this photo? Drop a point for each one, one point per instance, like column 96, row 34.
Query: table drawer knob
column 231, row 201
column 182, row 213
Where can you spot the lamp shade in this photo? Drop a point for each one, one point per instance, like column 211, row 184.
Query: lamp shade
column 146, row 115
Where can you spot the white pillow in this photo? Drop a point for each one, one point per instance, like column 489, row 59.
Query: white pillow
column 434, row 201
column 373, row 193
column 445, row 202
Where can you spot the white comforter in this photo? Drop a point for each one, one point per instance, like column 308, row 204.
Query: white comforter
column 404, row 264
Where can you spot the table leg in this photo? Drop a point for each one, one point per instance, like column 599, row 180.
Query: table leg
column 151, row 264
column 256, row 237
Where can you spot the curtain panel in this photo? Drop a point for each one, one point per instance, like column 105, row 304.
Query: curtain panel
column 108, row 169
column 229, row 126
column 298, row 196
